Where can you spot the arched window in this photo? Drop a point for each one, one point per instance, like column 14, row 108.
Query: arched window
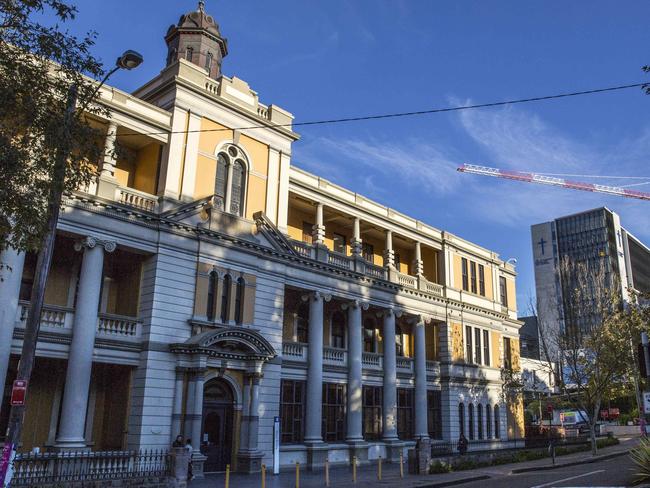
column 208, row 62
column 479, row 419
column 488, row 421
column 237, row 190
column 302, row 323
column 230, row 181
column 239, row 300
column 338, row 330
column 399, row 340
column 213, row 278
column 470, row 419
column 497, row 432
column 369, row 335
column 461, row 418
column 189, row 53
column 225, row 298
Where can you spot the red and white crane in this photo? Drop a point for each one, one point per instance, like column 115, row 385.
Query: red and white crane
column 551, row 180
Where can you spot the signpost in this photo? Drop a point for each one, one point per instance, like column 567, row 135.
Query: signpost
column 18, row 393
column 276, row 445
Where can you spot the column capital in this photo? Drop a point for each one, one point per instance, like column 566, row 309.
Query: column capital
column 90, row 242
column 355, row 304
column 417, row 319
column 315, row 296
column 396, row 312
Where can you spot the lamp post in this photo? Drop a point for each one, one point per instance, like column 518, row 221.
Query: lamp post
column 128, row 60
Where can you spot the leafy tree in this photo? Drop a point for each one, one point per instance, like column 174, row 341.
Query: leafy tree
column 38, row 65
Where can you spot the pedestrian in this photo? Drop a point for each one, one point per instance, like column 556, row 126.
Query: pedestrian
column 462, row 444
column 178, row 442
column 188, row 446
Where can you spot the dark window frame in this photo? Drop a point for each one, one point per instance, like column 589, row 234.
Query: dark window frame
column 213, row 289
column 292, row 411
column 497, row 423
column 339, row 243
column 333, row 415
column 486, row 347
column 239, row 300
column 503, row 291
column 470, row 421
column 472, row 271
column 307, row 232
column 478, row 350
column 337, row 330
column 225, row 299
column 464, row 266
column 469, row 350
column 372, row 405
column 461, row 417
column 405, row 414
column 368, row 252
column 479, row 421
column 434, row 414
column 481, row 280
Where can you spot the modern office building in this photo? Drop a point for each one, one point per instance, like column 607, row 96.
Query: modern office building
column 204, row 285
column 593, row 238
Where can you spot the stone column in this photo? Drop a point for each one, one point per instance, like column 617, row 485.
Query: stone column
column 421, row 424
column 250, row 458
column 389, row 410
column 177, row 407
column 418, row 264
column 355, row 351
column 107, row 182
column 11, row 272
column 389, row 254
column 356, row 242
column 80, row 358
column 197, row 424
column 316, row 450
column 318, row 231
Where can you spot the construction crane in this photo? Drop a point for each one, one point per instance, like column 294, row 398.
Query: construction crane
column 550, row 180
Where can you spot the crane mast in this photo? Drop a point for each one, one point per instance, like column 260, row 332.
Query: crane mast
column 553, row 181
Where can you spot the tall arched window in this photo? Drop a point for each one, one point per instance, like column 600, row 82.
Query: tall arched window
column 189, row 53
column 470, row 421
column 399, row 340
column 369, row 335
column 211, row 311
column 225, row 298
column 338, row 330
column 237, row 190
column 302, row 323
column 497, row 432
column 208, row 62
column 230, row 181
column 479, row 420
column 239, row 300
column 461, row 418
column 488, row 421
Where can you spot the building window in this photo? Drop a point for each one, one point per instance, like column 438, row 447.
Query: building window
column 479, row 418
column 470, row 419
column 213, row 278
column 461, row 418
column 338, row 330
column 239, row 300
column 339, row 243
column 507, row 353
column 468, row 344
column 189, row 53
column 369, row 335
column 399, row 340
column 307, row 230
column 237, row 191
column 333, row 429
column 434, row 414
column 486, row 347
column 231, row 160
column 465, row 277
column 368, row 252
column 398, row 261
column 503, row 290
column 481, row 280
column 208, row 62
column 488, row 421
column 302, row 323
column 404, row 413
column 372, row 405
column 292, row 411
column 497, row 432
column 225, row 298
column 477, row 346
column 220, row 181
column 472, row 268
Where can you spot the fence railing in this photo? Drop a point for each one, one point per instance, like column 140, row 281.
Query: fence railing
column 138, row 199
column 443, row 448
column 51, row 316
column 118, row 325
column 31, row 469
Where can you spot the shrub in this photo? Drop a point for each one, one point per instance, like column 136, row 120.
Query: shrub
column 438, row 467
column 641, row 457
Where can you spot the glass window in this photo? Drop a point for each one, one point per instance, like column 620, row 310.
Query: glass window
column 292, row 411
column 507, row 353
column 368, row 252
column 398, row 261
column 338, row 330
column 472, row 267
column 302, row 323
column 465, row 277
column 404, row 413
column 212, row 295
column 399, row 340
column 497, row 432
column 470, row 418
column 477, row 346
column 481, row 280
column 189, row 53
column 479, row 419
column 307, row 229
column 461, row 418
column 225, row 299
column 333, row 429
column 468, row 344
column 369, row 335
column 372, row 407
column 503, row 290
column 339, row 243
column 434, row 415
column 220, row 182
column 237, row 191
column 208, row 62
column 239, row 300
column 486, row 347
column 488, row 421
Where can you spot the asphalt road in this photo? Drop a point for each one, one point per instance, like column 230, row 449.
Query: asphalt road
column 615, row 472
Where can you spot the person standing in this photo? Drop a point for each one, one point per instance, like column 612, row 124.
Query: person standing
column 188, row 446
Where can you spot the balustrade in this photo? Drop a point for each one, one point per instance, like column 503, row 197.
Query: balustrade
column 302, row 248
column 137, row 199
column 118, row 325
column 371, row 360
column 339, row 260
column 405, row 364
column 407, row 280
column 294, row 351
column 334, row 356
column 51, row 316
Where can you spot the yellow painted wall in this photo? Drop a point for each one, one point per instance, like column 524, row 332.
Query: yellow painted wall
column 378, row 249
column 430, row 264
column 457, row 351
column 512, row 295
column 432, row 342
column 458, row 272
column 147, row 161
column 514, row 352
column 406, row 259
column 295, row 219
column 334, row 228
column 515, row 417
column 496, row 349
column 489, row 289
column 213, row 135
column 124, row 170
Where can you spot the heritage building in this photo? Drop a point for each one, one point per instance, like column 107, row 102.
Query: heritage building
column 204, row 286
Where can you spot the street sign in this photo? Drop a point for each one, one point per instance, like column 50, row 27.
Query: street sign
column 18, row 393
column 549, row 408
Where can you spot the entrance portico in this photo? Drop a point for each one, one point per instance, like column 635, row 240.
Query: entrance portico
column 219, row 372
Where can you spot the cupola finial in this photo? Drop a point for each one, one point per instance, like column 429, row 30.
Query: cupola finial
column 201, row 5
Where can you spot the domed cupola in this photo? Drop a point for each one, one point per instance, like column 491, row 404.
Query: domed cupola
column 196, row 38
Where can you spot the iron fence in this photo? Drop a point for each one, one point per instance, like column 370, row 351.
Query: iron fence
column 31, row 469
column 444, row 448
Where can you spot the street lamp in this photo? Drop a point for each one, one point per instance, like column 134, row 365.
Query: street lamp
column 128, row 60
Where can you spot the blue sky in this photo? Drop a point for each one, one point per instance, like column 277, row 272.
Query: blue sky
column 341, row 58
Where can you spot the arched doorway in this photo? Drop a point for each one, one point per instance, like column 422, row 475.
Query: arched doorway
column 216, row 439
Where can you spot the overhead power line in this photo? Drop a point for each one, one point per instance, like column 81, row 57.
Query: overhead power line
column 405, row 114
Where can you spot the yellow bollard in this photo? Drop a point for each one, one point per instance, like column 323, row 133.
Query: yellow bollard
column 354, row 469
column 297, row 474
column 263, row 475
column 227, row 475
column 401, row 465
column 327, row 472
column 379, row 469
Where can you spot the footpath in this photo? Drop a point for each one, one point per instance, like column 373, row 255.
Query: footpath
column 341, row 477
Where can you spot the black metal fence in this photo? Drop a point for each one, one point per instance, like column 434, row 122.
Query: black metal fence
column 32, row 469
column 442, row 448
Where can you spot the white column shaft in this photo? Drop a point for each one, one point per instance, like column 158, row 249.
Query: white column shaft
column 177, row 408
column 110, row 160
column 11, row 272
column 390, row 378
column 318, row 232
column 253, row 418
column 314, row 407
column 355, row 351
column 421, row 424
column 197, row 420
